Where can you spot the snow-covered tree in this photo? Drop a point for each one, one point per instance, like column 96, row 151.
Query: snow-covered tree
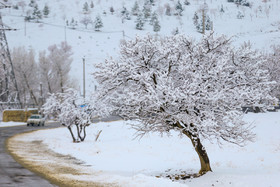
column 25, row 66
column 154, row 17
column 37, row 14
column 156, row 26
column 273, row 66
column 140, row 22
column 73, row 23
column 167, row 10
column 98, row 24
column 85, row 8
column 60, row 59
column 70, row 110
column 32, row 3
column 147, row 9
column 179, row 8
column 175, row 83
column 86, row 20
column 91, row 5
column 46, row 10
column 186, row 2
column 135, row 9
column 112, row 10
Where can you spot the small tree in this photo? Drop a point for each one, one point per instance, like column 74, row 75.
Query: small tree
column 32, row 3
column 86, row 8
column 140, row 22
column 73, row 24
column 46, row 10
column 135, row 9
column 36, row 15
column 70, row 111
column 196, row 88
column 179, row 8
column 147, row 10
column 112, row 10
column 98, row 23
column 167, row 10
column 156, row 26
column 86, row 20
column 91, row 5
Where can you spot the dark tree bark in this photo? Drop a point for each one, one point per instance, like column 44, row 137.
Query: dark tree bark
column 200, row 150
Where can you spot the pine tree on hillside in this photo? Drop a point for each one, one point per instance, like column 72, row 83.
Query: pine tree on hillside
column 98, row 23
column 167, row 10
column 32, row 3
column 46, row 10
column 154, row 17
column 91, row 5
column 73, row 24
column 195, row 19
column 112, row 10
column 86, row 8
column 147, row 10
column 179, row 8
column 140, row 22
column 187, row 2
column 156, row 26
column 135, row 9
column 36, row 15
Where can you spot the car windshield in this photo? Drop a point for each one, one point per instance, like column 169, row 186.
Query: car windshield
column 35, row 117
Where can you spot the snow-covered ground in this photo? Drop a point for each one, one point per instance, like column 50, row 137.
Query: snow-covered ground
column 120, row 159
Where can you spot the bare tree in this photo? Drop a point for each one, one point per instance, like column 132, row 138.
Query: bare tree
column 26, row 71
column 60, row 59
column 175, row 83
column 86, row 20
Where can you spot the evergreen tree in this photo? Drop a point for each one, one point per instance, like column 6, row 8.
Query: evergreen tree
column 46, row 10
column 179, row 8
column 91, row 5
column 32, row 3
column 135, row 9
column 140, row 22
column 73, row 24
column 187, row 2
column 195, row 19
column 208, row 23
column 86, row 8
column 147, row 9
column 154, row 17
column 168, row 10
column 112, row 10
column 36, row 15
column 98, row 23
column 222, row 9
column 157, row 26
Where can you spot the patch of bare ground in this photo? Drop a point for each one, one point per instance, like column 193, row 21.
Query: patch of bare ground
column 61, row 170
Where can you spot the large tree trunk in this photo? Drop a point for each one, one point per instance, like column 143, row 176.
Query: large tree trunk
column 200, row 150
column 202, row 154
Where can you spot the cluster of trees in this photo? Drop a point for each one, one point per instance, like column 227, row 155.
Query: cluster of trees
column 86, row 20
column 240, row 2
column 176, row 83
column 35, row 13
column 202, row 22
column 50, row 74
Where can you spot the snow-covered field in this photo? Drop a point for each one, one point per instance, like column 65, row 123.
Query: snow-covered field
column 260, row 25
column 118, row 158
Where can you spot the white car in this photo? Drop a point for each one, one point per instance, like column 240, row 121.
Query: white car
column 36, row 119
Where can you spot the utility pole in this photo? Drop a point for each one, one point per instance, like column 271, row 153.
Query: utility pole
column 84, row 78
column 10, row 86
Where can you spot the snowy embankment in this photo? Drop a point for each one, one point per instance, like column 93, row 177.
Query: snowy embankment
column 118, row 158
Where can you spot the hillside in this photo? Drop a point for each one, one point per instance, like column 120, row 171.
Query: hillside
column 258, row 23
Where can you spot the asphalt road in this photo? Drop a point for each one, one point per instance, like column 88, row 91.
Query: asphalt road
column 13, row 174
